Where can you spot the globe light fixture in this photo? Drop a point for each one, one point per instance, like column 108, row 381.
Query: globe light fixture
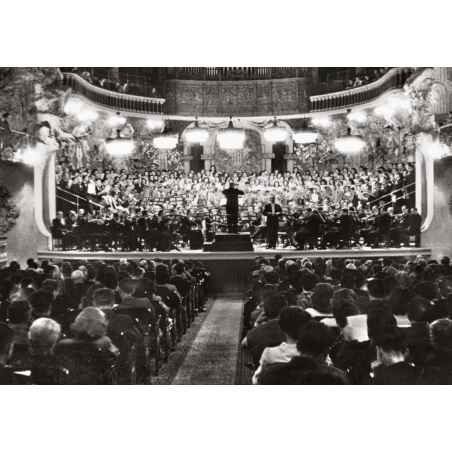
column 196, row 134
column 438, row 150
column 323, row 122
column 86, row 114
column 119, row 145
column 383, row 110
column 29, row 156
column 155, row 123
column 166, row 139
column 357, row 116
column 350, row 143
column 305, row 135
column 231, row 137
column 275, row 133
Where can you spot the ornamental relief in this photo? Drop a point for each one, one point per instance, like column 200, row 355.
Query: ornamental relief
column 211, row 96
column 246, row 98
column 237, row 94
column 190, row 94
column 263, row 93
column 285, row 93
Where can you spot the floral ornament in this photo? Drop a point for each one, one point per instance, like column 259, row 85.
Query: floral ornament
column 9, row 212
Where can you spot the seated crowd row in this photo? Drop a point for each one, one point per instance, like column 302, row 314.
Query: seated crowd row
column 95, row 323
column 349, row 321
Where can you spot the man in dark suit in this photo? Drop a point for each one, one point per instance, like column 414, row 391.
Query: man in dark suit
column 273, row 213
column 310, row 226
column 342, row 231
column 59, row 225
column 415, row 226
column 61, row 229
column 232, row 206
column 399, row 229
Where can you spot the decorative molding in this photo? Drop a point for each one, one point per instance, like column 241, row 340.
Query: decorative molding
column 186, row 158
column 268, row 155
column 207, row 156
column 238, row 98
column 290, row 156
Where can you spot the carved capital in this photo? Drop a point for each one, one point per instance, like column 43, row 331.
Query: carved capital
column 268, row 155
column 186, row 158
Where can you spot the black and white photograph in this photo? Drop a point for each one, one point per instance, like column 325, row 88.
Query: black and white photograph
column 226, row 225
column 186, row 245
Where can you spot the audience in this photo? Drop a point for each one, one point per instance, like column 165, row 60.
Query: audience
column 85, row 308
column 383, row 322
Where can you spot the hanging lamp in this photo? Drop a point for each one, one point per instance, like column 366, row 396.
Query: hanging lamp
column 275, row 133
column 231, row 137
column 196, row 134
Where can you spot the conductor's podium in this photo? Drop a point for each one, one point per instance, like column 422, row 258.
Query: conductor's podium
column 232, row 242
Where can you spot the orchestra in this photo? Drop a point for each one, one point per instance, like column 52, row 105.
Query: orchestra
column 162, row 211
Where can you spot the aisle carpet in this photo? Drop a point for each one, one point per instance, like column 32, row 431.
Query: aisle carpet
column 212, row 354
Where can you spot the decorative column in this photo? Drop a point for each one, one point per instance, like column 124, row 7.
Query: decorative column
column 267, row 157
column 289, row 156
column 423, row 157
column 44, row 152
column 208, row 156
column 186, row 158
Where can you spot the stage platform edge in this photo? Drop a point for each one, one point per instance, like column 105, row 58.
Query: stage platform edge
column 236, row 255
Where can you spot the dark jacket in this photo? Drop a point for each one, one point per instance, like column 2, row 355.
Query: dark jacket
column 302, row 371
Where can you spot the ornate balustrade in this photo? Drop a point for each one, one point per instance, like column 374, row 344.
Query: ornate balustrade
column 394, row 79
column 235, row 73
column 116, row 101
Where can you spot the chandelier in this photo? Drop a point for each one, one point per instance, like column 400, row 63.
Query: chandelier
column 119, row 145
column 275, row 133
column 350, row 143
column 166, row 139
column 305, row 135
column 196, row 134
column 231, row 137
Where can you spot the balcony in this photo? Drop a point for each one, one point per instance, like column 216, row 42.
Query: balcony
column 235, row 73
column 393, row 80
column 114, row 100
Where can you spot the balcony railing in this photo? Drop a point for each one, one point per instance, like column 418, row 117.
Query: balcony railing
column 235, row 73
column 394, row 79
column 116, row 101
column 137, row 85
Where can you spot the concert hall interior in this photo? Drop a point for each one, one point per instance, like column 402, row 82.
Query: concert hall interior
column 307, row 209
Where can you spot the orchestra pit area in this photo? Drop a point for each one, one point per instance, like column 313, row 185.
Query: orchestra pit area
column 149, row 236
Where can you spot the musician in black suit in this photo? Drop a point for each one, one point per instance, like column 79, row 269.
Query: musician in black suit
column 232, row 206
column 415, row 226
column 61, row 229
column 342, row 231
column 310, row 226
column 400, row 228
column 273, row 213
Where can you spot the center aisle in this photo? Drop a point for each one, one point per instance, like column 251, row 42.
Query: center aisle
column 212, row 358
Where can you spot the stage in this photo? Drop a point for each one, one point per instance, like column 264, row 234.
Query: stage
column 230, row 270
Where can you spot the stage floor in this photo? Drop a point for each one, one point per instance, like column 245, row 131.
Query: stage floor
column 366, row 252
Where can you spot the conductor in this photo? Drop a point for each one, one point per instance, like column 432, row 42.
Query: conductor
column 232, row 206
column 273, row 212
